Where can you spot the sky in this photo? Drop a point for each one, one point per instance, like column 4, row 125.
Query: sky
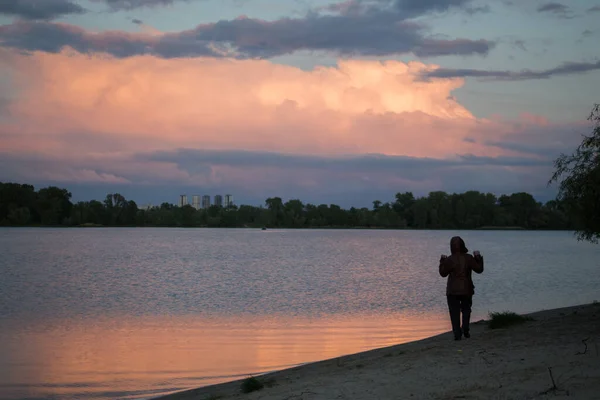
column 343, row 101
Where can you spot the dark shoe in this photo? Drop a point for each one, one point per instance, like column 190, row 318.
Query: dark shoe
column 467, row 335
column 457, row 338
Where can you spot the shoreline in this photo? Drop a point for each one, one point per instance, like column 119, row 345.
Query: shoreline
column 556, row 354
column 329, row 228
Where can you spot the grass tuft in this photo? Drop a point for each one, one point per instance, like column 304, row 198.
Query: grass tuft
column 505, row 319
column 251, row 384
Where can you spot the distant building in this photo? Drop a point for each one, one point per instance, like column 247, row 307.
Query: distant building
column 196, row 202
column 183, row 200
column 228, row 200
column 218, row 200
column 206, row 201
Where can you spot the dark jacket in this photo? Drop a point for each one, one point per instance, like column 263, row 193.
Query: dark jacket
column 457, row 268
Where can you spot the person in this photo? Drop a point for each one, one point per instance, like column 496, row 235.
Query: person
column 460, row 288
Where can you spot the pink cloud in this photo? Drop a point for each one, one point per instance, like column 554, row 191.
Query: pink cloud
column 358, row 106
column 98, row 110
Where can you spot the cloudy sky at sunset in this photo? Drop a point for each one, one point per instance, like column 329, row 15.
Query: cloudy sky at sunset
column 342, row 101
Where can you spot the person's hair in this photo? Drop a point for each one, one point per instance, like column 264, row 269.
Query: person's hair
column 457, row 245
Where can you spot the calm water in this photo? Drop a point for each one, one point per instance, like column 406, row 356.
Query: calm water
column 133, row 313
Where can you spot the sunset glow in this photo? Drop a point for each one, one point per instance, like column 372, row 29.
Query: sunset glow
column 94, row 108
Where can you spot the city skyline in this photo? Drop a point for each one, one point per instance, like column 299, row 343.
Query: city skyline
column 204, row 202
column 329, row 101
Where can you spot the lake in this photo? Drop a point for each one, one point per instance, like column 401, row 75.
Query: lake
column 134, row 313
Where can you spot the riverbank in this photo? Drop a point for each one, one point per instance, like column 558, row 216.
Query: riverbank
column 293, row 228
column 555, row 355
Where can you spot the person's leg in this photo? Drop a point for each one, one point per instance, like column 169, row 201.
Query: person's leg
column 465, row 307
column 454, row 309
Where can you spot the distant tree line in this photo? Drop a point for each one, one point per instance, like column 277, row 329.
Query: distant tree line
column 22, row 205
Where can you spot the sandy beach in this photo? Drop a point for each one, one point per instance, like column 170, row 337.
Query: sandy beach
column 557, row 355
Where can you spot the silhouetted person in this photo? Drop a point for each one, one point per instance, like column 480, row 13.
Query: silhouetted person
column 460, row 288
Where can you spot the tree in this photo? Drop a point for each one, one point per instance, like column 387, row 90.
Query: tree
column 14, row 200
column 294, row 213
column 522, row 206
column 115, row 205
column 22, row 205
column 578, row 176
column 187, row 214
column 275, row 206
column 440, row 209
column 54, row 205
column 376, row 205
column 404, row 206
column 19, row 216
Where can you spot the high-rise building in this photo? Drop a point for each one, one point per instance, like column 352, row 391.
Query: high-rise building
column 183, row 200
column 228, row 200
column 196, row 202
column 206, row 201
column 218, row 200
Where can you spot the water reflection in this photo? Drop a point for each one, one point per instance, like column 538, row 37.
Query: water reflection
column 144, row 356
column 82, row 312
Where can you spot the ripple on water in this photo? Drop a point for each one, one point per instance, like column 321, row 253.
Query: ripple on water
column 129, row 313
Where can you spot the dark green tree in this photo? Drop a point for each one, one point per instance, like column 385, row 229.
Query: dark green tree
column 578, row 175
column 404, row 207
column 21, row 205
column 14, row 200
column 276, row 211
column 54, row 206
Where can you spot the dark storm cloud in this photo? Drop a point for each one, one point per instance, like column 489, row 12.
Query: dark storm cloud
column 520, row 44
column 552, row 7
column 185, row 158
column 478, row 10
column 470, row 160
column 407, row 7
column 371, row 163
column 372, row 30
column 51, row 37
column 346, row 180
column 129, row 5
column 524, row 148
column 39, row 9
column 420, row 7
column 373, row 33
column 371, row 172
column 557, row 9
column 570, row 68
column 594, row 9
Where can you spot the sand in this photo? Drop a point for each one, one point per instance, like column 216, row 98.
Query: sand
column 554, row 356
